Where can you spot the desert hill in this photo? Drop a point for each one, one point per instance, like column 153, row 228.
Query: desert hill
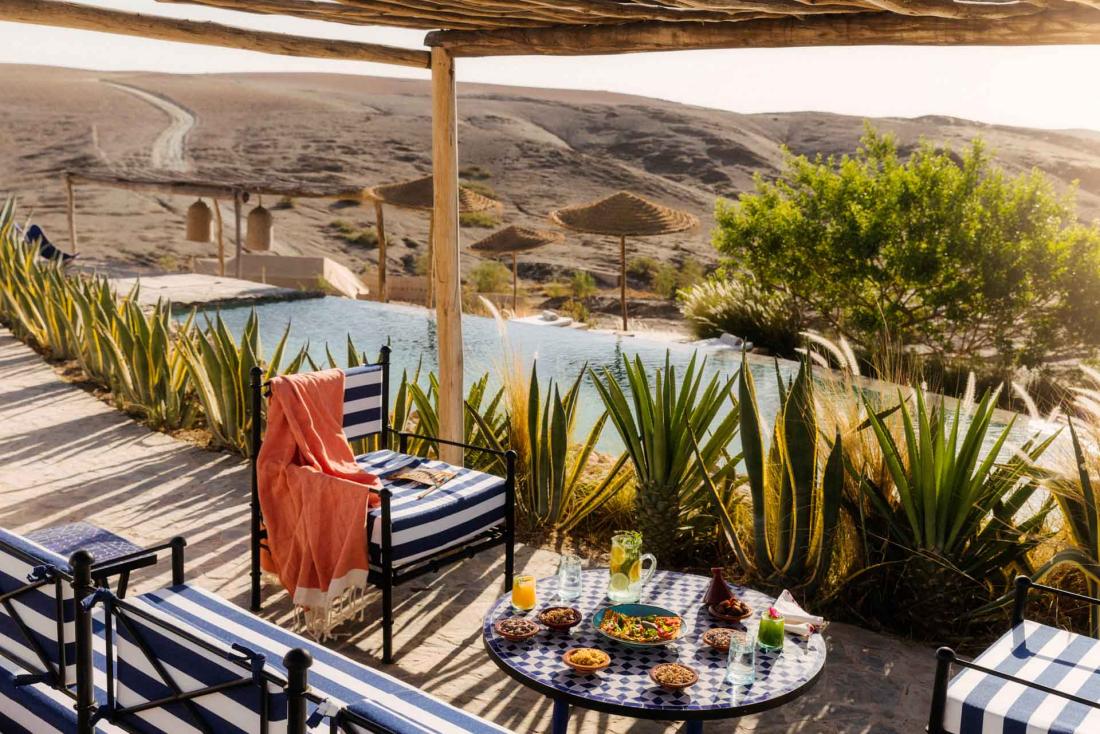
column 539, row 148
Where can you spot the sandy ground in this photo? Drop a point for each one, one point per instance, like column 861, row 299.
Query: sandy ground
column 65, row 455
column 537, row 149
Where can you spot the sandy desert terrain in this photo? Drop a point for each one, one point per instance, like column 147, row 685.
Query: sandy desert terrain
column 541, row 148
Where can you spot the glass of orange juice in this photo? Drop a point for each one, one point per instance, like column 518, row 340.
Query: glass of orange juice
column 523, row 593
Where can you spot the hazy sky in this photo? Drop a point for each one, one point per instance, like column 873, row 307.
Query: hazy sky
column 1042, row 87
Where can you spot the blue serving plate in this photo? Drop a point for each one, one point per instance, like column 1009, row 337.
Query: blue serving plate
column 637, row 610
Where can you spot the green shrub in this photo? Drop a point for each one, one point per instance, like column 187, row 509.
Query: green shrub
column 944, row 251
column 474, row 173
column 483, row 220
column 582, row 284
column 490, row 277
column 739, row 306
column 480, row 187
column 353, row 235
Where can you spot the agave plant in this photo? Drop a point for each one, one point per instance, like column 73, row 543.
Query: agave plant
column 553, row 492
column 148, row 373
column 957, row 513
column 656, row 423
column 220, row 368
column 796, row 494
column 1077, row 499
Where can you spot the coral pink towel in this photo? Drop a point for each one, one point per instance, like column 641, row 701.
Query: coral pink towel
column 314, row 497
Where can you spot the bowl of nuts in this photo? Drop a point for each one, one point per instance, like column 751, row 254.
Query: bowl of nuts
column 719, row 638
column 730, row 610
column 560, row 618
column 586, row 659
column 673, row 677
column 516, row 629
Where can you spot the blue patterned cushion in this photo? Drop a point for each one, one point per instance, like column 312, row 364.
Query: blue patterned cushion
column 68, row 538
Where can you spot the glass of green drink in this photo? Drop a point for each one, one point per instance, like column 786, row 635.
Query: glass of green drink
column 770, row 633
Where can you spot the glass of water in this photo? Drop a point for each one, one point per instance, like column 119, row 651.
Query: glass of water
column 741, row 664
column 569, row 578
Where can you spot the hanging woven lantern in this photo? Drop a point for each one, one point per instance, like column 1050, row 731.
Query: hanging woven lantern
column 261, row 226
column 199, row 218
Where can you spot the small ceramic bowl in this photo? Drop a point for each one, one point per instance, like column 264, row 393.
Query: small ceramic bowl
column 567, row 658
column 560, row 626
column 719, row 638
column 673, row 687
column 530, row 629
column 716, row 612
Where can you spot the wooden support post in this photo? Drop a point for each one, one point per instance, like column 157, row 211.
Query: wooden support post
column 221, row 237
column 239, row 265
column 70, row 209
column 430, row 303
column 515, row 290
column 380, row 223
column 445, row 273
column 622, row 277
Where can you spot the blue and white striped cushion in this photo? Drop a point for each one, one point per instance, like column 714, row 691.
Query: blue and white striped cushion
column 39, row 709
column 331, row 675
column 67, row 538
column 37, row 608
column 1067, row 662
column 236, row 710
column 362, row 401
column 461, row 509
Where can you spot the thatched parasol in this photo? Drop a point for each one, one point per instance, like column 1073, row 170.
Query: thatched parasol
column 513, row 239
column 418, row 194
column 624, row 215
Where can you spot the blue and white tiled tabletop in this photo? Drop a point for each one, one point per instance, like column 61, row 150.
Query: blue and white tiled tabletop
column 625, row 686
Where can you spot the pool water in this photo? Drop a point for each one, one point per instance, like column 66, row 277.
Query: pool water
column 411, row 333
column 560, row 353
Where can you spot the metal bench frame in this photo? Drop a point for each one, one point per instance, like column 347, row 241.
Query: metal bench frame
column 389, row 576
column 946, row 657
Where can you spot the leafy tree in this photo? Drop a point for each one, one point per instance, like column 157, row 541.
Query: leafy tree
column 945, row 251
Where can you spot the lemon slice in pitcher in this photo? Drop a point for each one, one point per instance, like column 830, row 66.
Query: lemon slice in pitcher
column 636, row 571
column 619, row 582
column 618, row 555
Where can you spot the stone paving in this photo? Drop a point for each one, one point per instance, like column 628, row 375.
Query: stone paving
column 65, row 455
column 196, row 289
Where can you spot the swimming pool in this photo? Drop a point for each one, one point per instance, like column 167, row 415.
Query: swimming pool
column 561, row 353
column 411, row 332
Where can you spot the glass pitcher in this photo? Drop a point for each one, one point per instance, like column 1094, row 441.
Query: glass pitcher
column 628, row 577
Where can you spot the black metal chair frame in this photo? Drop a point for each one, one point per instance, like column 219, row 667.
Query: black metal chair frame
column 946, row 657
column 389, row 577
column 85, row 582
column 50, row 674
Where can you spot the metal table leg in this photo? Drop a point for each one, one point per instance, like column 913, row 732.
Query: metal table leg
column 561, row 717
column 694, row 727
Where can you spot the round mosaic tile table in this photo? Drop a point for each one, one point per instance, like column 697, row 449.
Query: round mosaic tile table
column 625, row 688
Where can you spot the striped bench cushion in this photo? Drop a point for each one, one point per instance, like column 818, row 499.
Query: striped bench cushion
column 190, row 667
column 1067, row 662
column 39, row 709
column 461, row 509
column 362, row 401
column 331, row 675
column 38, row 609
column 70, row 537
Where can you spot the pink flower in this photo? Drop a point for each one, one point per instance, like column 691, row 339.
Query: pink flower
column 773, row 613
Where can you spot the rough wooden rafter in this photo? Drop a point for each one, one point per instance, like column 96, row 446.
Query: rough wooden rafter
column 1065, row 27
column 85, row 17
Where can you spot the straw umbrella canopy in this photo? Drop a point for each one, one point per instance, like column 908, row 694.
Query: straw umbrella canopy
column 511, row 240
column 417, row 194
column 624, row 215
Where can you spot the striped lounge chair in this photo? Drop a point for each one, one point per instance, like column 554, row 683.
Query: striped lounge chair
column 407, row 537
column 1035, row 679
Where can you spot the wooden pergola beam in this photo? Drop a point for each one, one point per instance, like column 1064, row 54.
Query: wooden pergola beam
column 62, row 14
column 857, row 29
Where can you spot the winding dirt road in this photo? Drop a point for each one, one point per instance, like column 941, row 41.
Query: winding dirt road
column 169, row 150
